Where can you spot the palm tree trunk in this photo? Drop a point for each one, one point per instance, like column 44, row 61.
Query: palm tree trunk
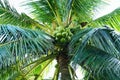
column 63, row 61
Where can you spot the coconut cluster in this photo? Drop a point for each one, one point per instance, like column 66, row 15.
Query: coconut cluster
column 62, row 35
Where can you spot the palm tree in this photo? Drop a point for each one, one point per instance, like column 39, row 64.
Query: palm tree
column 61, row 30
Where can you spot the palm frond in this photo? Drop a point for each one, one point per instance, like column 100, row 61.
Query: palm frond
column 56, row 73
column 37, row 69
column 9, row 73
column 102, row 38
column 62, row 11
column 72, row 72
column 22, row 45
column 50, row 10
column 112, row 19
column 85, row 7
column 97, row 51
column 34, row 69
column 99, row 64
column 9, row 15
column 42, row 10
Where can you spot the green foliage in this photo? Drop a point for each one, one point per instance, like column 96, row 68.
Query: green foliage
column 26, row 53
column 112, row 20
column 97, row 51
column 42, row 9
column 22, row 45
column 9, row 15
column 99, row 64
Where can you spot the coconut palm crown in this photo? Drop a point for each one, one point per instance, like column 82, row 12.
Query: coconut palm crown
column 63, row 31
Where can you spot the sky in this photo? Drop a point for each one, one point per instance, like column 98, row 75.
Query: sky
column 18, row 4
column 112, row 5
